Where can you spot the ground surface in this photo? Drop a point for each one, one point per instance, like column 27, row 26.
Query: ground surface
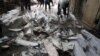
column 44, row 33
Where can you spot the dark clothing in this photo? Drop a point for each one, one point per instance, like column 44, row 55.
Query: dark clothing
column 25, row 4
column 1, row 24
column 2, row 6
column 63, row 6
column 47, row 3
column 97, row 21
column 41, row 2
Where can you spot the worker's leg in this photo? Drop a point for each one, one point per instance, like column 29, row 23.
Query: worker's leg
column 68, row 8
column 0, row 31
column 22, row 7
column 29, row 6
column 45, row 6
column 49, row 6
column 59, row 10
column 26, row 6
column 64, row 11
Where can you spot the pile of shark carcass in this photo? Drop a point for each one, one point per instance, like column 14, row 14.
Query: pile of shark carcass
column 44, row 35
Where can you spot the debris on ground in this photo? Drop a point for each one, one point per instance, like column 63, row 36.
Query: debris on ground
column 40, row 33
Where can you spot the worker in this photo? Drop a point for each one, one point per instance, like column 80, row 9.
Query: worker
column 47, row 2
column 62, row 5
column 25, row 4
